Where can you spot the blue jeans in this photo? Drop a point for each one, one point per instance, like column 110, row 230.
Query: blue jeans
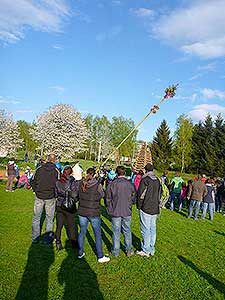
column 197, row 205
column 211, row 207
column 96, row 226
column 172, row 197
column 50, row 212
column 148, row 231
column 117, row 224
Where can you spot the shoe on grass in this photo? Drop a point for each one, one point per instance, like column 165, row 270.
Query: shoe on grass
column 35, row 241
column 49, row 238
column 104, row 259
column 82, row 255
column 142, row 253
column 130, row 253
column 59, row 246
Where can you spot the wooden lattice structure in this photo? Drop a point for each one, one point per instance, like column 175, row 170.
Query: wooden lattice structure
column 144, row 156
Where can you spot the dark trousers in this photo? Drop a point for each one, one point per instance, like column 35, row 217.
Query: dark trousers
column 63, row 217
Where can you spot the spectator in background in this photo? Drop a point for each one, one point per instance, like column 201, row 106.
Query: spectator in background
column 176, row 184
column 58, row 165
column 120, row 195
column 164, row 178
column 43, row 184
column 111, row 175
column 23, row 182
column 196, row 194
column 11, row 174
column 209, row 200
column 137, row 179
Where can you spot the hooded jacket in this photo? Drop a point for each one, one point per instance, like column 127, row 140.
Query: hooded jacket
column 120, row 195
column 89, row 201
column 69, row 185
column 149, row 194
column 44, row 180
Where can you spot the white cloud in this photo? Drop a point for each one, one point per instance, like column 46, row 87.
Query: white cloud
column 197, row 29
column 6, row 100
column 58, row 88
column 201, row 111
column 143, row 12
column 210, row 94
column 18, row 15
column 196, row 76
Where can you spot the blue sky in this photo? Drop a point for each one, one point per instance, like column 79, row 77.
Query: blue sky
column 113, row 58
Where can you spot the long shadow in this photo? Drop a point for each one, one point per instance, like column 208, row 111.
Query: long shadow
column 211, row 280
column 221, row 233
column 34, row 283
column 79, row 280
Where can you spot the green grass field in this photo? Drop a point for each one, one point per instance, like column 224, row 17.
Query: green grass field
column 189, row 262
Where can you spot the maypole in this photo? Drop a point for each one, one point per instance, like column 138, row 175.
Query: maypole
column 169, row 93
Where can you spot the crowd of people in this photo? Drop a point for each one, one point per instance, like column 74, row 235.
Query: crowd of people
column 63, row 191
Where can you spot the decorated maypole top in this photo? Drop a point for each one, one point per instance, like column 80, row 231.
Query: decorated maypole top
column 170, row 92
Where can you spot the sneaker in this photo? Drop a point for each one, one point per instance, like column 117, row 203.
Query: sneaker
column 142, row 253
column 82, row 255
column 130, row 253
column 35, row 241
column 49, row 238
column 59, row 246
column 104, row 259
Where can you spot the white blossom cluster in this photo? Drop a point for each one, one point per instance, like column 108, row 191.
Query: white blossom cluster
column 60, row 130
column 9, row 135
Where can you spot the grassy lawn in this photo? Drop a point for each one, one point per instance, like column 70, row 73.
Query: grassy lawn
column 189, row 262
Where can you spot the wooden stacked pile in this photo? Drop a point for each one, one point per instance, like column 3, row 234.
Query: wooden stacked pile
column 144, row 156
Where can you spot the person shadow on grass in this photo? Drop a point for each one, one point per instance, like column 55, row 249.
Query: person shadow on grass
column 34, row 283
column 79, row 280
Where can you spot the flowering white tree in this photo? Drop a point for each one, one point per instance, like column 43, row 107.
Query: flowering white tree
column 60, row 130
column 9, row 135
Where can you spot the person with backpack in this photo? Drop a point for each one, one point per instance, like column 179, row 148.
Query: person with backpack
column 66, row 187
column 89, row 210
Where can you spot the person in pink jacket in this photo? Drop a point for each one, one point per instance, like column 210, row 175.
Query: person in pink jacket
column 137, row 179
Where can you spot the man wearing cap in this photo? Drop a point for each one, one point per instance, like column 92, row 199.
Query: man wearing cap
column 43, row 184
column 149, row 194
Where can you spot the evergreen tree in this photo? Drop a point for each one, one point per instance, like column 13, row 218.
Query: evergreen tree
column 162, row 147
column 219, row 144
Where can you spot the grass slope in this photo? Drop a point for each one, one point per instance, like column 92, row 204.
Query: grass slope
column 189, row 262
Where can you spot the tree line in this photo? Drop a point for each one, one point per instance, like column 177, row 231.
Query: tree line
column 196, row 148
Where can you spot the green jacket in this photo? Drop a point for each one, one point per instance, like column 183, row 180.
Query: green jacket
column 177, row 184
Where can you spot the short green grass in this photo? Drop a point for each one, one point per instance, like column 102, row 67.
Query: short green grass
column 189, row 262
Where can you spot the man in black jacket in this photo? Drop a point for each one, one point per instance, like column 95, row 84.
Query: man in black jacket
column 120, row 195
column 43, row 184
column 149, row 193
